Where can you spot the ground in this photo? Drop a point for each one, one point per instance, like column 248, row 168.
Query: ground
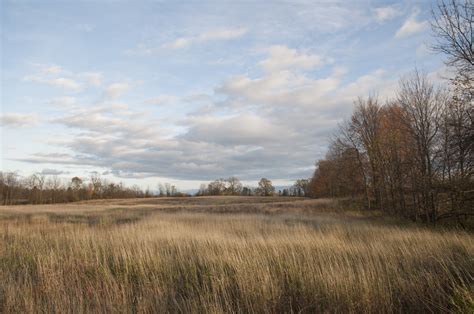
column 227, row 254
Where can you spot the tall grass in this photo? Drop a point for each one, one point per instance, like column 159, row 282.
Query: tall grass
column 210, row 262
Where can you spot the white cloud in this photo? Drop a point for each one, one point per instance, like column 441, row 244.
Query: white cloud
column 55, row 75
column 279, row 88
column 61, row 82
column 283, row 81
column 51, row 69
column 18, row 120
column 66, row 83
column 383, row 14
column 93, row 78
column 65, row 101
column 218, row 34
column 411, row 26
column 280, row 129
column 282, row 58
column 117, row 89
column 161, row 100
column 178, row 43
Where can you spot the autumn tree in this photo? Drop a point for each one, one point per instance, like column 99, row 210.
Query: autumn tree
column 265, row 187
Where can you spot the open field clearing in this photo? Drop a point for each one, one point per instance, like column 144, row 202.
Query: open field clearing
column 227, row 254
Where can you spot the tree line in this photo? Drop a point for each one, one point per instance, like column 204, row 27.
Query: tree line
column 42, row 189
column 412, row 155
column 233, row 186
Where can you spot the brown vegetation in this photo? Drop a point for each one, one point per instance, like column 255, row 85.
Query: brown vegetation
column 226, row 254
column 413, row 156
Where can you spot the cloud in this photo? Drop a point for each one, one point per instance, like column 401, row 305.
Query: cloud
column 93, row 78
column 244, row 129
column 282, row 83
column 116, row 89
column 282, row 58
column 52, row 172
column 109, row 139
column 183, row 42
column 383, row 14
column 18, row 120
column 51, row 69
column 178, row 43
column 262, row 104
column 161, row 100
column 64, row 83
column 218, row 34
column 274, row 125
column 56, row 76
column 411, row 26
column 198, row 98
column 61, row 82
column 65, row 101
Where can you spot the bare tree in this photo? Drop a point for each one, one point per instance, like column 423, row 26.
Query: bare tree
column 161, row 190
column 9, row 183
column 301, row 187
column 202, row 190
column 97, row 186
column 453, row 27
column 422, row 107
column 366, row 129
column 217, row 187
column 168, row 189
column 234, row 186
column 54, row 185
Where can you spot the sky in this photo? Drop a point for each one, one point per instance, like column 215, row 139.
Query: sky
column 190, row 91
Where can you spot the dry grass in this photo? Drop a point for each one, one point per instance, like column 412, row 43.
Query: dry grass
column 226, row 255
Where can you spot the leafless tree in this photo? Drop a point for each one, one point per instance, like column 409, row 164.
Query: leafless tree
column 453, row 27
column 365, row 127
column 217, row 187
column 9, row 183
column 54, row 185
column 234, row 186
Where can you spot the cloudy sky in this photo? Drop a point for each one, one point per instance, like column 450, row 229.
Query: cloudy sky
column 190, row 91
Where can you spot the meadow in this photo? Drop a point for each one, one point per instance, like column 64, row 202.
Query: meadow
column 228, row 254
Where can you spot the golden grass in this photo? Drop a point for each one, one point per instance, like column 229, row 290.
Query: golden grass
column 226, row 255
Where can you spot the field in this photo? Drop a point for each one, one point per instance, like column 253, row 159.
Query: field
column 227, row 254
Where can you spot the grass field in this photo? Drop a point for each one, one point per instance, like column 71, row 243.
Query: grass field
column 227, row 254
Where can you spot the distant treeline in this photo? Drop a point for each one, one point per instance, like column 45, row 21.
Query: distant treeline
column 233, row 186
column 413, row 155
column 42, row 189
